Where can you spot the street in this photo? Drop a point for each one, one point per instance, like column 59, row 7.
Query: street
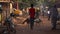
column 41, row 28
column 14, row 12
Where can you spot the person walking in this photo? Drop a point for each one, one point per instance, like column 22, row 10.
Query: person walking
column 37, row 13
column 54, row 14
column 32, row 15
column 48, row 15
column 9, row 23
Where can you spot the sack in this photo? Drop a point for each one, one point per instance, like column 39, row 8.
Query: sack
column 27, row 20
column 16, row 12
column 12, row 14
column 37, row 20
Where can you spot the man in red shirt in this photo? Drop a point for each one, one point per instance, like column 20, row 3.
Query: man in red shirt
column 32, row 14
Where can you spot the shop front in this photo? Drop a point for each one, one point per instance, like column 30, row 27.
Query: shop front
column 4, row 6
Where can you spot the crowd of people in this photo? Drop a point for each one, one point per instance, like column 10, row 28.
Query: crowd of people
column 52, row 14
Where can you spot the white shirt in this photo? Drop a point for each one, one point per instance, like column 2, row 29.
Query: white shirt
column 48, row 12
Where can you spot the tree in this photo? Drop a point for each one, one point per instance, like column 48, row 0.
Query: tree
column 51, row 3
column 48, row 3
column 26, row 3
